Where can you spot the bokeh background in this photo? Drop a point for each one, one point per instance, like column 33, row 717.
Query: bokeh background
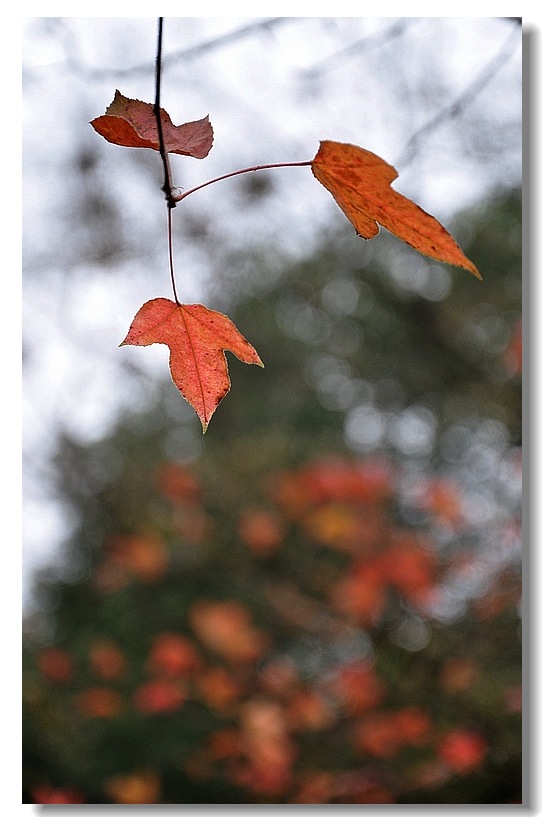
column 319, row 600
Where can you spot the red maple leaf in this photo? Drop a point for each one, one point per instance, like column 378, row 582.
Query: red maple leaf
column 197, row 338
column 132, row 123
column 359, row 181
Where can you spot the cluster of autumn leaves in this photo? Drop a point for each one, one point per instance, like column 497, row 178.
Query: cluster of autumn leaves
column 268, row 710
column 197, row 337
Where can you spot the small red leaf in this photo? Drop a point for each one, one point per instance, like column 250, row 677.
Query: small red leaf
column 197, row 338
column 132, row 123
column 359, row 181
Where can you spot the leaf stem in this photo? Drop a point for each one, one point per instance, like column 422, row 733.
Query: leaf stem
column 170, row 253
column 181, row 196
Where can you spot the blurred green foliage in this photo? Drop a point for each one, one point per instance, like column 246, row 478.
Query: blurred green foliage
column 336, row 563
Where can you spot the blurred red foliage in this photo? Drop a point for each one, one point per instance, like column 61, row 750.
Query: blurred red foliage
column 384, row 734
column 458, row 674
column 128, row 557
column 409, row 565
column 441, row 498
column 177, row 483
column 357, row 688
column 333, row 480
column 462, row 750
column 173, row 655
column 361, row 594
column 266, row 702
column 49, row 795
column 267, row 752
column 261, row 530
column 513, row 354
column 107, row 661
column 217, row 688
column 159, row 695
column 55, row 664
column 99, row 702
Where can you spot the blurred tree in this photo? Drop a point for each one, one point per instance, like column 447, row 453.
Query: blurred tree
column 320, row 604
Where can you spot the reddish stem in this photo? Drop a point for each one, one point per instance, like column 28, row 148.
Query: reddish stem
column 170, row 253
column 182, row 196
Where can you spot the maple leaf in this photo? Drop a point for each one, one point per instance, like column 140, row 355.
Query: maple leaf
column 359, row 181
column 132, row 123
column 197, row 338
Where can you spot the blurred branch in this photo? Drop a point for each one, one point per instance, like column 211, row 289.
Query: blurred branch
column 457, row 108
column 226, row 39
column 183, row 55
column 365, row 44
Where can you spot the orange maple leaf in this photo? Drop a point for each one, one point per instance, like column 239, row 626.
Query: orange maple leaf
column 132, row 123
column 359, row 181
column 197, row 338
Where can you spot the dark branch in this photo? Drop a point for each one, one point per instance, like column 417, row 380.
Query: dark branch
column 163, row 152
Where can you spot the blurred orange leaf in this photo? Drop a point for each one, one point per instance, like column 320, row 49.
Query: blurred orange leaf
column 384, row 734
column 143, row 556
column 377, row 735
column 361, row 594
column 357, row 688
column 178, row 483
column 197, row 338
column 107, row 661
column 513, row 354
column 142, row 787
column 225, row 627
column 309, row 710
column 409, row 566
column 335, row 525
column 261, row 530
column 413, row 724
column 441, row 498
column 218, row 689
column 267, row 749
column 172, row 654
column 99, row 702
column 359, row 181
column 458, row 674
column 335, row 480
